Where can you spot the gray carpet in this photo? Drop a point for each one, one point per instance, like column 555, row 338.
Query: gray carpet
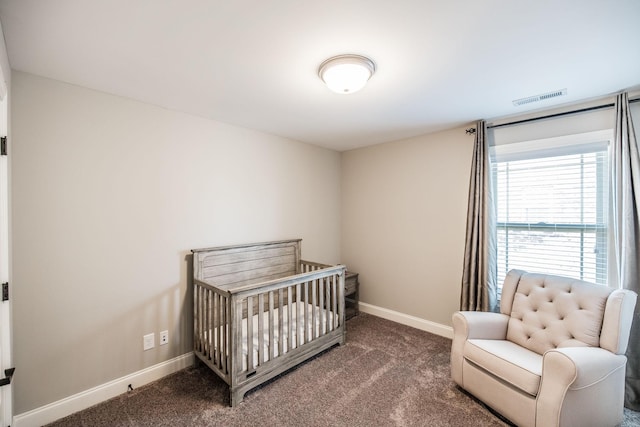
column 385, row 375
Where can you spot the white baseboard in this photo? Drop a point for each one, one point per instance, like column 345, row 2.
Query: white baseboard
column 405, row 319
column 88, row 398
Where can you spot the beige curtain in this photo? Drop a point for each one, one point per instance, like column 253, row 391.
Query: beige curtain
column 478, row 277
column 625, row 208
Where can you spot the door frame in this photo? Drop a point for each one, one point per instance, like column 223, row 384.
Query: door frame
column 6, row 395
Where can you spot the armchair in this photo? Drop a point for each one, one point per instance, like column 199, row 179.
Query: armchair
column 553, row 356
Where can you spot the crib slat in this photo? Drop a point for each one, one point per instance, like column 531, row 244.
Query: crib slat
column 236, row 334
column 224, row 347
column 330, row 314
column 201, row 309
column 260, row 329
column 215, row 333
column 196, row 316
column 326, row 288
column 334, row 301
column 320, row 306
column 203, row 331
column 314, row 305
column 307, row 330
column 280, row 322
column 204, row 321
column 218, row 330
column 290, row 336
column 299, row 316
column 249, row 333
column 272, row 348
column 327, row 306
column 341, row 299
column 207, row 322
column 211, row 325
column 212, row 330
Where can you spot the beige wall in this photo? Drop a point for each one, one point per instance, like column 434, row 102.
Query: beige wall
column 403, row 222
column 108, row 197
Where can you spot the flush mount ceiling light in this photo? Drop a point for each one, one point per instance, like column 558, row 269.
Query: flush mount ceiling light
column 346, row 73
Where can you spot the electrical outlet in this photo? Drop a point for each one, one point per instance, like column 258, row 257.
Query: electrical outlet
column 149, row 341
column 164, row 337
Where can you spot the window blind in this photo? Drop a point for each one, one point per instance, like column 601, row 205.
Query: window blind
column 551, row 209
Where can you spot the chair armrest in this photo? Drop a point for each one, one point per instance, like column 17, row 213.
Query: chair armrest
column 579, row 383
column 480, row 325
column 473, row 324
column 616, row 325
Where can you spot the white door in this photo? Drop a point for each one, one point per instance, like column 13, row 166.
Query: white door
column 5, row 306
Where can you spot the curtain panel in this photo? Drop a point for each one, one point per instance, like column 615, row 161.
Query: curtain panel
column 625, row 227
column 479, row 292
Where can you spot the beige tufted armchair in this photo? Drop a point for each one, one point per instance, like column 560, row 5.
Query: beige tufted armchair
column 553, row 356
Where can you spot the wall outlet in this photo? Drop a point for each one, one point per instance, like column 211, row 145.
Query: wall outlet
column 164, row 337
column 149, row 341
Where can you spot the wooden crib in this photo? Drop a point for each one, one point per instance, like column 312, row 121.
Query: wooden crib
column 259, row 310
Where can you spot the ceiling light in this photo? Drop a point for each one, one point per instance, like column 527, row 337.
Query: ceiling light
column 346, row 73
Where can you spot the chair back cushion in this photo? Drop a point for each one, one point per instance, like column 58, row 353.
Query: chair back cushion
column 548, row 312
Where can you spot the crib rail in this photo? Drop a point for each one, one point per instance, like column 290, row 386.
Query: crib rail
column 286, row 313
column 307, row 266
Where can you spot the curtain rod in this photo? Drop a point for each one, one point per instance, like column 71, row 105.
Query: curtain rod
column 551, row 116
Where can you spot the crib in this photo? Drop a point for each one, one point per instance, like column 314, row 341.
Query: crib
column 260, row 310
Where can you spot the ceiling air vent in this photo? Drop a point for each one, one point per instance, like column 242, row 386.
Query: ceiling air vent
column 541, row 97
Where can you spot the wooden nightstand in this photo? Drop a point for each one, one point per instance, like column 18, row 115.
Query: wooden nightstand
column 351, row 294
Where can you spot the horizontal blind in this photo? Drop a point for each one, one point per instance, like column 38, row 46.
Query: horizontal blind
column 551, row 211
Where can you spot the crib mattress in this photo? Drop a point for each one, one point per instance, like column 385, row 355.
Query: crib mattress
column 323, row 326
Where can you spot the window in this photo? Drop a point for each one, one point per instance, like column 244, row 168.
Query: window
column 551, row 204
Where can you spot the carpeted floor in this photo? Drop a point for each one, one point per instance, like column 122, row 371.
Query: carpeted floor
column 385, row 375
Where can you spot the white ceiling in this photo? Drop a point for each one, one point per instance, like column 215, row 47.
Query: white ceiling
column 253, row 63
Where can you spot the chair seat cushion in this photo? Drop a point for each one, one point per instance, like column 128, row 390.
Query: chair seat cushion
column 516, row 365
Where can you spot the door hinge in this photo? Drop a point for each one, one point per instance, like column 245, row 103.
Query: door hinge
column 7, row 379
column 3, row 146
column 5, row 291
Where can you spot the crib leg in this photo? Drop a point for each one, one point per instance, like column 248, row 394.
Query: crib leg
column 236, row 397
